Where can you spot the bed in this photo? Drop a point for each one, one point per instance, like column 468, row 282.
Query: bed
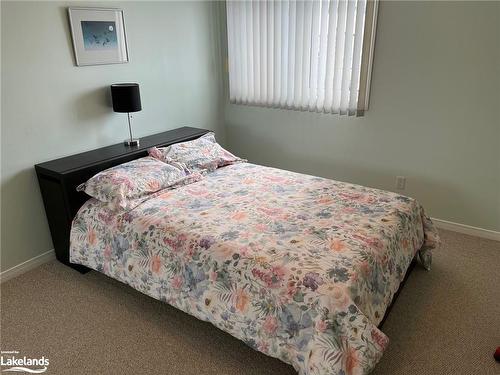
column 299, row 267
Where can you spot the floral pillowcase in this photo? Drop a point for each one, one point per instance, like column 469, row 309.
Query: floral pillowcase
column 126, row 185
column 203, row 154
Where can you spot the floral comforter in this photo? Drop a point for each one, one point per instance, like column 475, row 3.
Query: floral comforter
column 299, row 267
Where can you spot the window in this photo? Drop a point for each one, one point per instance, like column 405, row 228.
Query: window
column 309, row 55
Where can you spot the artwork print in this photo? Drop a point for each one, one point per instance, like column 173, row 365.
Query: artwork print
column 98, row 35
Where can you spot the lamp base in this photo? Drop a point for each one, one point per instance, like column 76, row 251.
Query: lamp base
column 131, row 142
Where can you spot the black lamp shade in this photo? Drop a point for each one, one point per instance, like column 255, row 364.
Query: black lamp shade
column 126, row 97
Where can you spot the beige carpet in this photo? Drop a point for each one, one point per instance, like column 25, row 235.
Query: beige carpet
column 446, row 321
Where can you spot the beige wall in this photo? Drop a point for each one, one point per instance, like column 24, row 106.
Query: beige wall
column 434, row 115
column 51, row 108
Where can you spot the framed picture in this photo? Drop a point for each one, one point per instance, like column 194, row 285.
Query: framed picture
column 98, row 36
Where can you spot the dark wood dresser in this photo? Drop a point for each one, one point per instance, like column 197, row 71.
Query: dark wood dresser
column 59, row 178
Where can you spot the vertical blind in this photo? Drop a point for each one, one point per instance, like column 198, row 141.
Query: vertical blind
column 310, row 55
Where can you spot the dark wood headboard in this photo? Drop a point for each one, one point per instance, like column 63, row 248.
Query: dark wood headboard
column 59, row 178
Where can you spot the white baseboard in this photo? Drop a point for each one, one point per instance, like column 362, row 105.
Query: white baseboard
column 26, row 266
column 467, row 229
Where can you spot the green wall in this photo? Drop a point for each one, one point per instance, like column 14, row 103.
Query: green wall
column 434, row 112
column 51, row 108
column 434, row 115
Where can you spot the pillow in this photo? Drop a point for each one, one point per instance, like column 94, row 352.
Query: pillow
column 121, row 186
column 203, row 154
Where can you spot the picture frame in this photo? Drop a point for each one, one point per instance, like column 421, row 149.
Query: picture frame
column 98, row 36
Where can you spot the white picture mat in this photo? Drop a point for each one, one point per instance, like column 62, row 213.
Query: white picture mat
column 97, row 57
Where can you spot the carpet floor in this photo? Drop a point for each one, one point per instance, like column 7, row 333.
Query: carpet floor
column 446, row 321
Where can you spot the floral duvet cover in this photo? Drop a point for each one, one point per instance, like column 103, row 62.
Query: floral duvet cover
column 299, row 267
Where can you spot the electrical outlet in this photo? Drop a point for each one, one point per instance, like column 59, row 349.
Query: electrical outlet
column 400, row 182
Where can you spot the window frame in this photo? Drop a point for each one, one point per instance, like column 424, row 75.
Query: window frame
column 366, row 65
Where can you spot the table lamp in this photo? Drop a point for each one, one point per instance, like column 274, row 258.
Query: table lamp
column 126, row 99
